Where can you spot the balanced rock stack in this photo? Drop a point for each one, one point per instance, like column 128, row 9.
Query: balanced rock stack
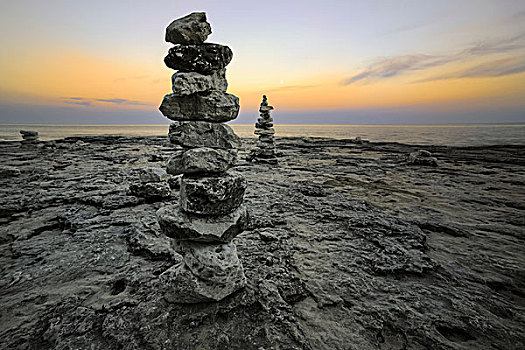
column 210, row 212
column 29, row 136
column 265, row 151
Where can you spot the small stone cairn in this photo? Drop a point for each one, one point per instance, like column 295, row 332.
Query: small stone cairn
column 265, row 151
column 210, row 212
column 29, row 136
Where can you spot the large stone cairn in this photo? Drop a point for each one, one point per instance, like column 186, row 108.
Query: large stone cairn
column 210, row 212
column 265, row 151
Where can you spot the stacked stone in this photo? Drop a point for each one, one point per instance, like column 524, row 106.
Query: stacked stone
column 29, row 136
column 265, row 151
column 210, row 212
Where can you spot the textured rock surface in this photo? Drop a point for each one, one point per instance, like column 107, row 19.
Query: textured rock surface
column 190, row 29
column 181, row 285
column 205, row 58
column 218, row 263
column 422, row 157
column 201, row 161
column 150, row 190
column 203, row 134
column 186, row 83
column 179, row 225
column 152, row 174
column 81, row 259
column 212, row 195
column 213, row 107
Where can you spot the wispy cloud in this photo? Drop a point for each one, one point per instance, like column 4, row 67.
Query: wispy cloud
column 513, row 43
column 76, row 101
column 119, row 101
column 395, row 66
column 399, row 65
column 496, row 68
column 82, row 101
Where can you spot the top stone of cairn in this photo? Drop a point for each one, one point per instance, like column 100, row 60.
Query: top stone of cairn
column 190, row 29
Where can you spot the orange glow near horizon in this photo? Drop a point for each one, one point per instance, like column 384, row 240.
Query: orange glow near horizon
column 62, row 74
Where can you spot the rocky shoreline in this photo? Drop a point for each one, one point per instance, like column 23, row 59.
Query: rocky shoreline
column 349, row 247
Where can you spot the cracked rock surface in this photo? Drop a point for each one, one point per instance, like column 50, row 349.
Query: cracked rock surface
column 349, row 247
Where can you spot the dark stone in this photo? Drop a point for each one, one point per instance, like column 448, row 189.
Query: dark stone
column 204, row 58
column 190, row 29
column 153, row 190
column 212, row 195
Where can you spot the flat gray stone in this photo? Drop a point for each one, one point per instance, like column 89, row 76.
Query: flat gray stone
column 212, row 195
column 190, row 29
column 265, row 108
column 269, row 131
column 201, row 160
column 204, row 58
column 213, row 107
column 265, row 144
column 203, row 134
column 179, row 225
column 187, row 83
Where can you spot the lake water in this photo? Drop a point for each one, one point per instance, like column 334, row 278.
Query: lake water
column 452, row 135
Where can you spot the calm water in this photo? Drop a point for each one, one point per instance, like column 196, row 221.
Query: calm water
column 453, row 135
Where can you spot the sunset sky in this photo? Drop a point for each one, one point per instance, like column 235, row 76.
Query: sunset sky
column 326, row 61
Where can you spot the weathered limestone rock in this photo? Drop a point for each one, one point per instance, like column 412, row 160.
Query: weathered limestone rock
column 183, row 226
column 204, row 58
column 190, row 29
column 183, row 286
column 422, row 157
column 152, row 174
column 211, row 262
column 187, row 83
column 201, row 160
column 203, row 134
column 213, row 107
column 212, row 195
column 151, row 190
